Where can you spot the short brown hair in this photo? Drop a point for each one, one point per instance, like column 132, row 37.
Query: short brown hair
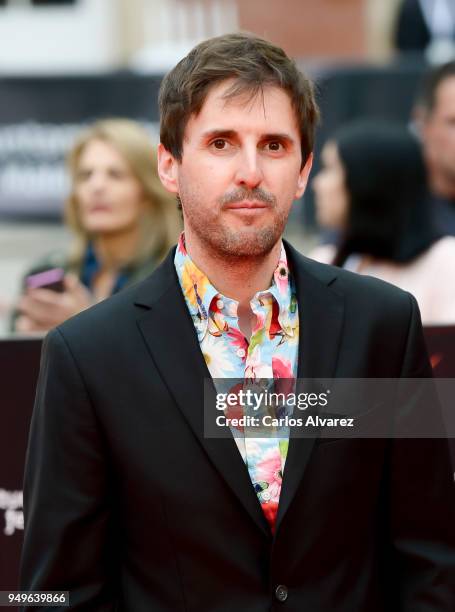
column 253, row 63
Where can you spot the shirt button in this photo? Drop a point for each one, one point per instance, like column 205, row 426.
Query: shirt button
column 281, row 592
column 241, row 352
column 220, row 304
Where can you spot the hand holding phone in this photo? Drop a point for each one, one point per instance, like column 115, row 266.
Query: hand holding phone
column 51, row 297
column 48, row 279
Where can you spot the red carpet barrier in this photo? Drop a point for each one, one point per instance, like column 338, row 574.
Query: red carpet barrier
column 19, row 366
column 440, row 341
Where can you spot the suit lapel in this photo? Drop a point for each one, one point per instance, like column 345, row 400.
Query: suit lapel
column 168, row 331
column 321, row 312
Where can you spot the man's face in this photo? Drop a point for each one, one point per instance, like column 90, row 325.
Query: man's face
column 439, row 133
column 239, row 173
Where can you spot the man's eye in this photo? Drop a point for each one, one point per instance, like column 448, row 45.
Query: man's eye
column 274, row 145
column 219, row 144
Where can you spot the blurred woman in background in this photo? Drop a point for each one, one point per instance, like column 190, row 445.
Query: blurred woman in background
column 372, row 190
column 123, row 221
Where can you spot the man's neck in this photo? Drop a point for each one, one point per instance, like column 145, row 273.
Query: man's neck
column 442, row 187
column 237, row 278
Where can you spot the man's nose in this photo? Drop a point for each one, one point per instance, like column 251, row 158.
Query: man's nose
column 249, row 172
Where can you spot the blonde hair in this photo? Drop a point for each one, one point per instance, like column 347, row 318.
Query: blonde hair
column 161, row 223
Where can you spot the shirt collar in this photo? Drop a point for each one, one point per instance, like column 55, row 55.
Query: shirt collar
column 200, row 294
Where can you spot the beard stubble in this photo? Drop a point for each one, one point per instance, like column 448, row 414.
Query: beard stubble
column 234, row 244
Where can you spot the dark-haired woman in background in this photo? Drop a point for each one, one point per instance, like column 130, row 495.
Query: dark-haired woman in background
column 372, row 190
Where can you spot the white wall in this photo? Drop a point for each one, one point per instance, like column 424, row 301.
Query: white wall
column 85, row 37
column 98, row 35
column 171, row 28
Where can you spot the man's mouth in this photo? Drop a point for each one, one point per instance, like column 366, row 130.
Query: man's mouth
column 246, row 205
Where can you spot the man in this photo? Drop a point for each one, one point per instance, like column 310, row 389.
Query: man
column 128, row 505
column 435, row 116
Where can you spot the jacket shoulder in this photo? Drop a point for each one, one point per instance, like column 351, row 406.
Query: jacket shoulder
column 362, row 288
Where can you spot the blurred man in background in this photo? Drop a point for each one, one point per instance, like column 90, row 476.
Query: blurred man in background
column 435, row 115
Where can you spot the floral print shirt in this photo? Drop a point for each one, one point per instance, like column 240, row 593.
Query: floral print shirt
column 271, row 353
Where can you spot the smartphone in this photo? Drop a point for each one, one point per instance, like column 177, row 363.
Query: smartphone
column 48, row 279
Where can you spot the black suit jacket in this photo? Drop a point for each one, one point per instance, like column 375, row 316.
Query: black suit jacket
column 130, row 508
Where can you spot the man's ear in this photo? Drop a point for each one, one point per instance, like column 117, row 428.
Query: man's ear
column 303, row 177
column 168, row 169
